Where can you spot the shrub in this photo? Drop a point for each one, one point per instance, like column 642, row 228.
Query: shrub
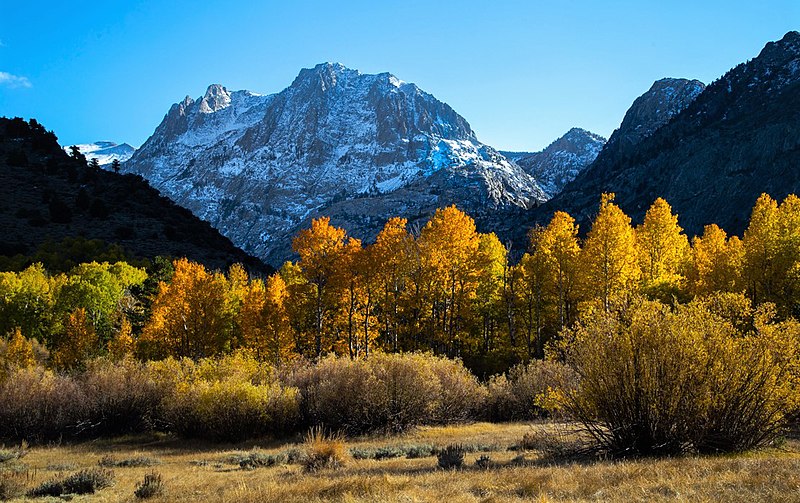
column 386, row 392
column 37, row 405
column 230, row 410
column 323, row 402
column 654, row 380
column 139, row 461
column 484, row 462
column 323, row 450
column 259, row 460
column 420, row 451
column 88, row 481
column 151, row 486
column 122, row 396
column 13, row 454
column 230, row 398
column 525, row 393
column 451, row 457
column 408, row 390
column 461, row 397
column 83, row 482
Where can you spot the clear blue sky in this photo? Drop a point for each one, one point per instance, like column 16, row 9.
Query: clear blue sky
column 521, row 72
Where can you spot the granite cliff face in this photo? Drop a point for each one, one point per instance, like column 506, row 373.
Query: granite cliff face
column 360, row 148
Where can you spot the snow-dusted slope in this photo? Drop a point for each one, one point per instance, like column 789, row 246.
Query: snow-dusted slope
column 257, row 166
column 105, row 151
column 562, row 160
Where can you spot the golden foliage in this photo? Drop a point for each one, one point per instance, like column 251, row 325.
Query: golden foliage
column 78, row 342
column 663, row 250
column 658, row 380
column 19, row 351
column 609, row 255
column 190, row 315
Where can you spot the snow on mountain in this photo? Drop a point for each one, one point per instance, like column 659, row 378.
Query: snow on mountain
column 105, row 151
column 334, row 142
column 562, row 160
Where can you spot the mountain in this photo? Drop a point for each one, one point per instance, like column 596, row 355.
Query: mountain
column 105, row 151
column 54, row 203
column 359, row 148
column 739, row 137
column 562, row 160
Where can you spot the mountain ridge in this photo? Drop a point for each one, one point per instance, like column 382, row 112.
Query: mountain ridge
column 740, row 137
column 257, row 166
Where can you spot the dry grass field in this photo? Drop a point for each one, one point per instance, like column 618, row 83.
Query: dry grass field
column 194, row 471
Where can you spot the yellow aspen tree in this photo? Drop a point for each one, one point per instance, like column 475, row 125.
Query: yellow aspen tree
column 279, row 342
column 609, row 254
column 350, row 283
column 559, row 252
column 78, row 342
column 448, row 247
column 761, row 247
column 716, row 262
column 663, row 250
column 299, row 307
column 392, row 256
column 532, row 296
column 122, row 344
column 238, row 284
column 367, row 265
column 251, row 318
column 319, row 248
column 512, row 281
column 492, row 262
column 27, row 301
column 789, row 255
column 190, row 316
column 19, row 352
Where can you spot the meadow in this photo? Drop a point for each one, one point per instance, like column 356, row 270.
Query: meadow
column 525, row 464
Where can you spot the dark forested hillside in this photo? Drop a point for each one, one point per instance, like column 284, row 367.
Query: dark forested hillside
column 55, row 208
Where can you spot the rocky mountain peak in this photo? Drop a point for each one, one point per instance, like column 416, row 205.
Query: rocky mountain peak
column 666, row 98
column 575, row 140
column 562, row 160
column 258, row 166
column 215, row 99
column 324, row 76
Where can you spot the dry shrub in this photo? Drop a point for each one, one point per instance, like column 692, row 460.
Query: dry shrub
column 324, row 450
column 526, row 392
column 37, row 405
column 451, row 457
column 654, row 380
column 230, row 398
column 150, row 487
column 462, row 397
column 324, row 399
column 122, row 397
column 408, row 389
column 386, row 392
column 136, row 462
column 83, row 482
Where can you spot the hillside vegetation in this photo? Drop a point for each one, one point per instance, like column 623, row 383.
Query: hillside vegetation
column 654, row 345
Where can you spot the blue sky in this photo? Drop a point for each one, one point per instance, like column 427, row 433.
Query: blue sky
column 521, row 72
